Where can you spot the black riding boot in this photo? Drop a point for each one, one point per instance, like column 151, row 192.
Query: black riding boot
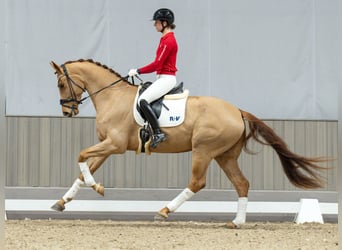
column 158, row 136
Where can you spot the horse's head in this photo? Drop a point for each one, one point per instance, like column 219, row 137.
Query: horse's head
column 70, row 87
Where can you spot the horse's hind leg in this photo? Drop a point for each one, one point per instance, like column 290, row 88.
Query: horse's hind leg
column 200, row 162
column 94, row 164
column 228, row 163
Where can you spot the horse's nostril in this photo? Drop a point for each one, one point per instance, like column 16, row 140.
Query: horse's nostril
column 67, row 114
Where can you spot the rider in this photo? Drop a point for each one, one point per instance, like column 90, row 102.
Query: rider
column 165, row 67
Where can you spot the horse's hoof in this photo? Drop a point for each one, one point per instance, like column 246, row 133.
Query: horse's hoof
column 160, row 217
column 231, row 225
column 58, row 207
column 99, row 188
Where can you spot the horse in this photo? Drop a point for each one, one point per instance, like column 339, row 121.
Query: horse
column 213, row 129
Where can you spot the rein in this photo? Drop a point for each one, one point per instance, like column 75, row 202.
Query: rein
column 73, row 94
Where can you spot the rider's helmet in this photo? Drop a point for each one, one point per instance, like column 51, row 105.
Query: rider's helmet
column 164, row 15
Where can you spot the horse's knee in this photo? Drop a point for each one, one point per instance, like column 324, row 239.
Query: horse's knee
column 81, row 157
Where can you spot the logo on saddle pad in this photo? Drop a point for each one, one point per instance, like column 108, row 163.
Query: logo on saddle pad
column 169, row 109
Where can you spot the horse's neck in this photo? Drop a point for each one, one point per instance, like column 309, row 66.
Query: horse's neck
column 113, row 96
column 97, row 78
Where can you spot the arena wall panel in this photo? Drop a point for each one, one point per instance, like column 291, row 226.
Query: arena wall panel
column 43, row 152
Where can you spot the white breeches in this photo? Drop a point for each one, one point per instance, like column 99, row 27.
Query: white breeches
column 160, row 87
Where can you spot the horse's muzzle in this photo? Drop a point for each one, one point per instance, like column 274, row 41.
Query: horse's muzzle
column 70, row 112
column 67, row 114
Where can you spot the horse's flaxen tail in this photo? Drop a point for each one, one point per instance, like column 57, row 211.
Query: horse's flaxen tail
column 302, row 172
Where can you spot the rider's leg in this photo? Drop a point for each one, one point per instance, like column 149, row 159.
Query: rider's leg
column 160, row 87
column 149, row 114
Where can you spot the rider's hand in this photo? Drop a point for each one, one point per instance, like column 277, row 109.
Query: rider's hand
column 132, row 72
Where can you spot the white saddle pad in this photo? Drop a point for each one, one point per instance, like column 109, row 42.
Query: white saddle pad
column 172, row 117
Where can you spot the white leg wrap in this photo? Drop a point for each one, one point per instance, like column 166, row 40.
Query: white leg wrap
column 73, row 190
column 185, row 195
column 241, row 211
column 88, row 178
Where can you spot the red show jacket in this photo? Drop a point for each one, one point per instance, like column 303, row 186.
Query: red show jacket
column 166, row 56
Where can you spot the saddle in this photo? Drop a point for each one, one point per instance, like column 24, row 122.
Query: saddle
column 169, row 109
column 158, row 104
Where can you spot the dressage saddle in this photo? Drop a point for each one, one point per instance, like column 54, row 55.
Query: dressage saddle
column 158, row 104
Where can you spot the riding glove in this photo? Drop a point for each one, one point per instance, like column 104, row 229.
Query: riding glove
column 133, row 72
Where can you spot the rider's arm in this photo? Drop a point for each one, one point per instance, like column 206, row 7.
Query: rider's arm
column 162, row 53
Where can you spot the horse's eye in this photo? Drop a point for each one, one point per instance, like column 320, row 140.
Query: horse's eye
column 60, row 85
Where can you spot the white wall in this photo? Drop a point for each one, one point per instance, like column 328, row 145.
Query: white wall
column 274, row 58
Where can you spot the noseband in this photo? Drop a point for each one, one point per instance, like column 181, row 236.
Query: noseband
column 73, row 97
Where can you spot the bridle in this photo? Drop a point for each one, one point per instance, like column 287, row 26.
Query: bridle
column 73, row 98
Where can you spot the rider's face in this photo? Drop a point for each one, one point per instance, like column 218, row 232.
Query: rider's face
column 158, row 25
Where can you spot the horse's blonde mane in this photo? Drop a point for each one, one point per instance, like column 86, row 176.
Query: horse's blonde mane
column 96, row 63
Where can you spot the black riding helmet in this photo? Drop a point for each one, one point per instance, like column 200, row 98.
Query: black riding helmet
column 164, row 15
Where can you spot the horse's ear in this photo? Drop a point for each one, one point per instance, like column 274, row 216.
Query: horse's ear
column 56, row 67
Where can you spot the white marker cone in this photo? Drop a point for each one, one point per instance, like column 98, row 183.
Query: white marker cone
column 309, row 211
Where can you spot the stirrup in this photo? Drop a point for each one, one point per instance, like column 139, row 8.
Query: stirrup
column 157, row 138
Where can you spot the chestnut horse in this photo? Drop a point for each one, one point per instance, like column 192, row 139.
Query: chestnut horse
column 212, row 129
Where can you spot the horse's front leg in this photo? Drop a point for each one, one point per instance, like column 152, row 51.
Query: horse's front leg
column 102, row 149
column 87, row 177
column 94, row 164
column 86, row 174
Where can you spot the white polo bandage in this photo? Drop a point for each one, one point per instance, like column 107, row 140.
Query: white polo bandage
column 185, row 195
column 88, row 178
column 241, row 211
column 73, row 190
